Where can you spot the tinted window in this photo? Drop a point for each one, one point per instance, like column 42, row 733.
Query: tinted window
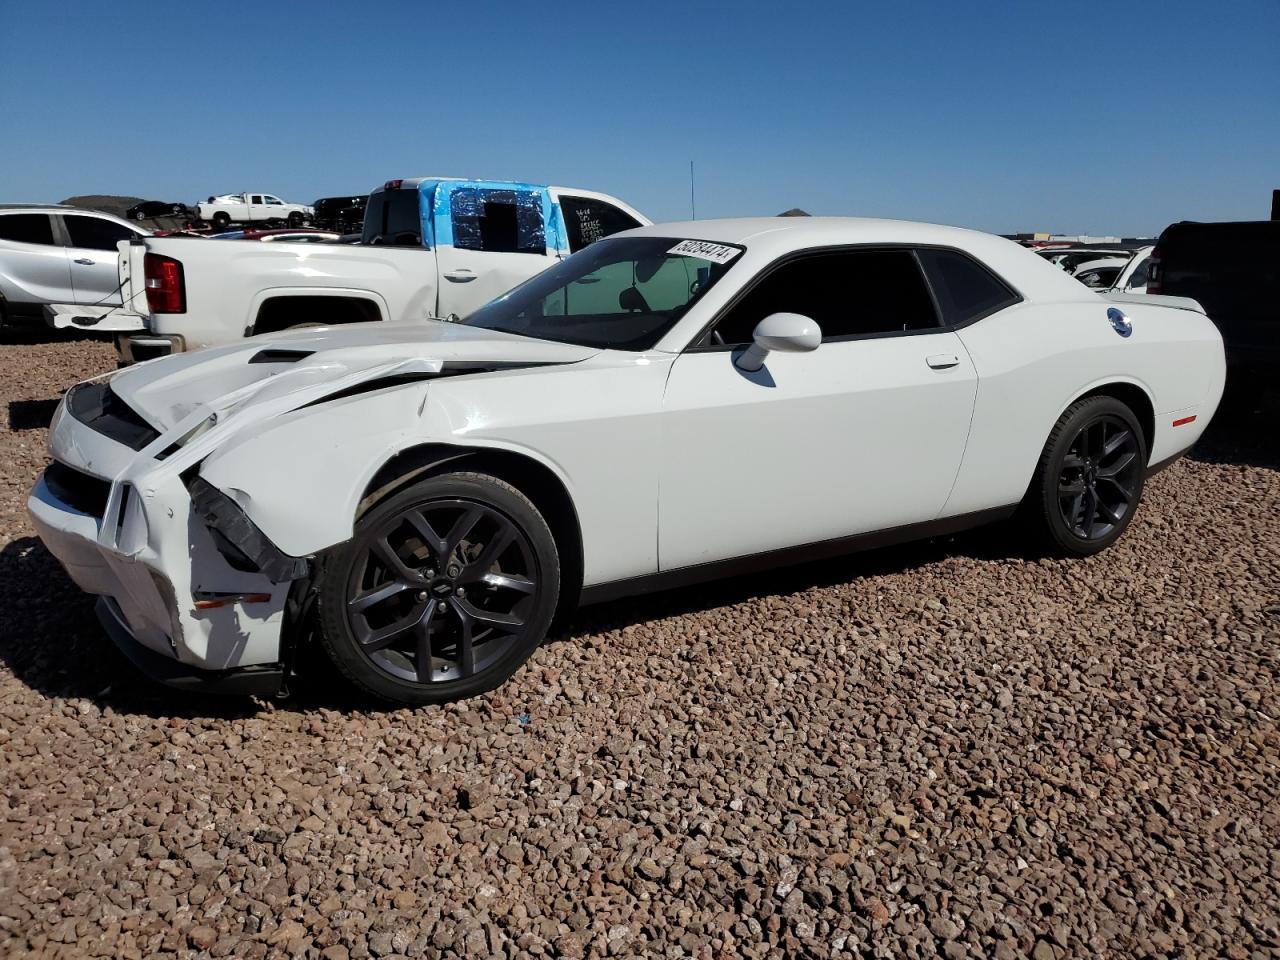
column 26, row 228
column 587, row 220
column 393, row 218
column 849, row 293
column 498, row 221
column 965, row 289
column 95, row 234
column 255, row 199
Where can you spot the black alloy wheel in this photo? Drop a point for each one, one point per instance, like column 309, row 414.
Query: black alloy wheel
column 1090, row 478
column 443, row 592
column 1098, row 483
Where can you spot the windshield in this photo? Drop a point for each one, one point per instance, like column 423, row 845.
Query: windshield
column 621, row 293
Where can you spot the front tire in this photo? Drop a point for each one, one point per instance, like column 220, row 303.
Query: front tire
column 295, row 220
column 444, row 591
column 1089, row 480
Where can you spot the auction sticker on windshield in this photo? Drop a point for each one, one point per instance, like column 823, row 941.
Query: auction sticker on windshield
column 715, row 252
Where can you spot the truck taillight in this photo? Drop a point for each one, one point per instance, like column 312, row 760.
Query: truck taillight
column 392, row 184
column 166, row 288
column 1155, row 278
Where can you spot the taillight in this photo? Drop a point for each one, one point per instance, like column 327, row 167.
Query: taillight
column 166, row 288
column 1154, row 278
column 392, row 184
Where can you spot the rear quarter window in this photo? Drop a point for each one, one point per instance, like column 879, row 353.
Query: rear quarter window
column 966, row 290
column 26, row 228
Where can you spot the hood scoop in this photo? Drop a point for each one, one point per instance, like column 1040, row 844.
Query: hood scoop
column 279, row 355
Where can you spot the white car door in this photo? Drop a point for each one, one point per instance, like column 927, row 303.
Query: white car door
column 33, row 264
column 497, row 239
column 865, row 433
column 95, row 263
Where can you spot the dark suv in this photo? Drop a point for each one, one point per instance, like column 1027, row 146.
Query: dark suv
column 343, row 214
column 1233, row 271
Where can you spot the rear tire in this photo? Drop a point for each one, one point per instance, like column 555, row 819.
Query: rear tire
column 444, row 591
column 1089, row 480
column 222, row 220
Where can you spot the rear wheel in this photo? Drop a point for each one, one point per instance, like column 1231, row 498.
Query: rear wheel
column 1090, row 477
column 445, row 590
column 222, row 220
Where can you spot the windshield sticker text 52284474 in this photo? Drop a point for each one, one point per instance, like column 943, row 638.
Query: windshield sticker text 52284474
column 715, row 252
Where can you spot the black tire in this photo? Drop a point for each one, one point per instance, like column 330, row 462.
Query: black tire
column 295, row 219
column 222, row 220
column 401, row 583
column 1089, row 480
column 139, row 216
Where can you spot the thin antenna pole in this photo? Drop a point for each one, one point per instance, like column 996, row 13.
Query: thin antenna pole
column 693, row 203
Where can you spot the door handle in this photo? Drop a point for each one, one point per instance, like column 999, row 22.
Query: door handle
column 942, row 361
column 461, row 275
column 84, row 262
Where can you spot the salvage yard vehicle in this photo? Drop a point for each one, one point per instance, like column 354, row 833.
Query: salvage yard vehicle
column 157, row 208
column 300, row 235
column 343, row 214
column 58, row 255
column 1233, row 269
column 668, row 405
column 1133, row 277
column 1100, row 274
column 431, row 248
column 229, row 208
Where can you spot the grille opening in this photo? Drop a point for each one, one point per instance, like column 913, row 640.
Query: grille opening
column 78, row 490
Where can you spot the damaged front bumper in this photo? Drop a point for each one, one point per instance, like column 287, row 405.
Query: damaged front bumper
column 195, row 596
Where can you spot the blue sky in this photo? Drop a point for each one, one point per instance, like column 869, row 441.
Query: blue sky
column 1002, row 116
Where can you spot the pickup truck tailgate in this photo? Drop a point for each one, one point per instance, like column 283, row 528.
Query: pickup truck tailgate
column 78, row 316
column 133, row 278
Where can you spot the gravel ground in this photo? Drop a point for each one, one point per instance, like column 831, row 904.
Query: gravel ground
column 940, row 749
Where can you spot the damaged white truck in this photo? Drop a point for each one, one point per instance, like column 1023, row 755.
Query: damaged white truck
column 431, row 248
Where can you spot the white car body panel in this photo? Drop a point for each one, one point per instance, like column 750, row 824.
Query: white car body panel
column 671, row 457
column 252, row 207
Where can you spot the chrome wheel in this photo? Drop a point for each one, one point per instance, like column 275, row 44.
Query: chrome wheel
column 1099, row 480
column 442, row 591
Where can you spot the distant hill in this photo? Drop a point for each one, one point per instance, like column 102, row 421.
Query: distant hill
column 793, row 212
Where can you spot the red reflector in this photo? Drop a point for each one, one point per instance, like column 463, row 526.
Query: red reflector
column 1184, row 420
column 210, row 603
column 166, row 287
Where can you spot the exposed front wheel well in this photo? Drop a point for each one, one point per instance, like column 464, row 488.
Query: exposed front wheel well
column 281, row 313
column 536, row 481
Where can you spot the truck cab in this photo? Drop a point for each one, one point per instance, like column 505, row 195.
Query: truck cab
column 489, row 235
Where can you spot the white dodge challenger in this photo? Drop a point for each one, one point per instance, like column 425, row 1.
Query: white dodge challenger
column 677, row 402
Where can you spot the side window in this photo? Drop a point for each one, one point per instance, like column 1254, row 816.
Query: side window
column 256, row 198
column 849, row 293
column 274, row 201
column 93, row 233
column 26, row 228
column 965, row 289
column 1139, row 276
column 498, row 221
column 587, row 220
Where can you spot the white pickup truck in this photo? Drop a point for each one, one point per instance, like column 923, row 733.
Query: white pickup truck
column 430, row 248
column 229, row 208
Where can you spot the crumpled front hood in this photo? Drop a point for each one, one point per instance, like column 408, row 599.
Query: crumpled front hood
column 228, row 379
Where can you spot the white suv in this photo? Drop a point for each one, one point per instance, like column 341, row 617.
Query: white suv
column 58, row 254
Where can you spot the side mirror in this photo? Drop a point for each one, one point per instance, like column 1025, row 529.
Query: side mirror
column 784, row 332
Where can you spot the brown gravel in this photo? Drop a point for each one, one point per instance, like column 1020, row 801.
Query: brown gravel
column 945, row 749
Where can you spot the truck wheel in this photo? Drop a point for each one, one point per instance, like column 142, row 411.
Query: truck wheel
column 295, row 219
column 222, row 220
